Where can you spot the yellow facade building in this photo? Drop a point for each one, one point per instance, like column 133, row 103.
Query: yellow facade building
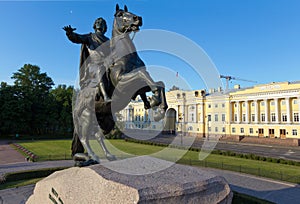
column 262, row 111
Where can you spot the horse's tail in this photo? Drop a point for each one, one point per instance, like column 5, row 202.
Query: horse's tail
column 76, row 145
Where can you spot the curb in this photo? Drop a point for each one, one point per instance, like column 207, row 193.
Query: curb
column 30, row 155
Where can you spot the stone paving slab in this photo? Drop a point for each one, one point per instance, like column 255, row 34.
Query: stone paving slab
column 16, row 195
column 8, row 154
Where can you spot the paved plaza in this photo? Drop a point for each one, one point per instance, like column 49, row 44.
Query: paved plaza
column 271, row 190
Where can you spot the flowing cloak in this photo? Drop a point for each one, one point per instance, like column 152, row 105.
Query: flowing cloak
column 89, row 41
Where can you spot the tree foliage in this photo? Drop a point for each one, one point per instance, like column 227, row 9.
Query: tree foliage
column 31, row 106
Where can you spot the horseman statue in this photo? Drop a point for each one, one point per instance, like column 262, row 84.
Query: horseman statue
column 111, row 74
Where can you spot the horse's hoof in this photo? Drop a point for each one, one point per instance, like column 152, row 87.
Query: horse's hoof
column 159, row 115
column 111, row 157
column 95, row 158
column 86, row 163
column 154, row 102
column 81, row 157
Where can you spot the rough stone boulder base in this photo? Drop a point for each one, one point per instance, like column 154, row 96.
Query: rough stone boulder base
column 100, row 184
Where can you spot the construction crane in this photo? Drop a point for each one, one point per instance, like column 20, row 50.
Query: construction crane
column 229, row 78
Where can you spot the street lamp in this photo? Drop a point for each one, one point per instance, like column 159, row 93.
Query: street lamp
column 184, row 116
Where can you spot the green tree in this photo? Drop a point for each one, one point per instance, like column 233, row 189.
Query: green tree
column 11, row 114
column 63, row 98
column 31, row 106
column 34, row 89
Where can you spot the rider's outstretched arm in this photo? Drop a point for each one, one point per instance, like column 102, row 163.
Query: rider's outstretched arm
column 76, row 38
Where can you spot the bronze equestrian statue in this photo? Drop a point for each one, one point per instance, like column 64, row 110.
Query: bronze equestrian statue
column 111, row 74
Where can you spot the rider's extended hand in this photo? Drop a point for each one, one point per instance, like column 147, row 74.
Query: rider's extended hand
column 68, row 29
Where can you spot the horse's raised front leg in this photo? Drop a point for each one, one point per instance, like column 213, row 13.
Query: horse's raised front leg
column 156, row 98
column 164, row 104
column 160, row 114
column 100, row 138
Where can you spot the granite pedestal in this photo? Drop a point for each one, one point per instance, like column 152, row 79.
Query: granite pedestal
column 133, row 180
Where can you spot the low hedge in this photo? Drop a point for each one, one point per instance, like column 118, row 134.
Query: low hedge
column 23, row 175
column 221, row 152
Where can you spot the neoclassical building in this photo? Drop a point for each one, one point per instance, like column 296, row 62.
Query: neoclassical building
column 262, row 111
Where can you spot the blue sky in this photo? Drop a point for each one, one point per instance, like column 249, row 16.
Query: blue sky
column 250, row 39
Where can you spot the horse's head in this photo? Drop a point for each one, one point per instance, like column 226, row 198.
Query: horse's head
column 126, row 21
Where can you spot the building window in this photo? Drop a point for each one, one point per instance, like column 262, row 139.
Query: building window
column 223, row 129
column 192, row 117
column 263, row 117
column 273, row 118
column 235, row 105
column 262, row 103
column 294, row 132
column 233, row 130
column 223, row 105
column 283, row 102
column 209, row 118
column 216, row 129
column 284, row 117
column 252, row 117
column 235, row 117
column 216, row 117
column 242, row 130
column 252, row 104
column 272, row 103
column 209, row 105
column 295, row 101
column 223, row 117
column 296, row 117
column 244, row 117
column 244, row 104
column 209, row 129
column 251, row 130
column 216, row 105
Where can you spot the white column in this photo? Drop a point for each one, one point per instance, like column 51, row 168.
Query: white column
column 247, row 111
column 197, row 113
column 256, row 111
column 238, row 112
column 266, row 110
column 230, row 112
column 276, row 110
column 127, row 115
column 202, row 112
column 288, row 110
column 299, row 107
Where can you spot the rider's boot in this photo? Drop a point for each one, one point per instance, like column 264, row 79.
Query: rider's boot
column 105, row 96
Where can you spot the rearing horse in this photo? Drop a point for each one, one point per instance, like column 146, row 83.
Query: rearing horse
column 129, row 78
column 128, row 72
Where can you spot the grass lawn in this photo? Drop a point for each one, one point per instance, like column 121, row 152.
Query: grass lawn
column 60, row 149
column 49, row 149
column 14, row 184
